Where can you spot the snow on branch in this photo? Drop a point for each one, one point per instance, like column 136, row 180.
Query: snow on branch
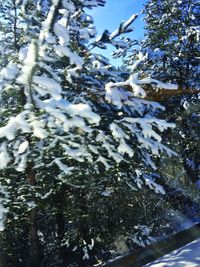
column 116, row 96
column 159, row 84
column 93, row 3
column 124, row 27
column 109, row 38
column 29, row 64
column 95, row 117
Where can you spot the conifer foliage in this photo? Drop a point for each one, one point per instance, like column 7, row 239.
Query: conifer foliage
column 71, row 127
column 170, row 49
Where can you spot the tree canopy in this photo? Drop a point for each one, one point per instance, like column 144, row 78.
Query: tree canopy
column 79, row 140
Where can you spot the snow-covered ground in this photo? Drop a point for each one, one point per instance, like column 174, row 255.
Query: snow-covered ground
column 187, row 256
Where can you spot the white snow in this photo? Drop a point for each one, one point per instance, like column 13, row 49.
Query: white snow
column 125, row 25
column 64, row 168
column 142, row 57
column 38, row 129
column 4, row 156
column 3, row 211
column 74, row 59
column 47, row 23
column 23, row 53
column 90, row 246
column 28, row 64
column 116, row 96
column 10, row 72
column 14, row 124
column 152, row 185
column 117, row 132
column 123, row 148
column 104, row 161
column 106, row 193
column 62, row 33
column 159, row 84
column 90, row 3
column 68, row 4
column 73, row 153
column 47, row 86
column 24, row 3
column 83, row 110
column 23, row 147
column 31, row 204
column 187, row 256
column 112, row 97
column 138, row 91
column 22, row 164
column 86, row 255
column 87, row 33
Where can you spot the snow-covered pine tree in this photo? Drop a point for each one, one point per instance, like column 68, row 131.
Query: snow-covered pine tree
column 9, row 36
column 73, row 125
column 170, row 50
column 184, row 110
column 12, row 29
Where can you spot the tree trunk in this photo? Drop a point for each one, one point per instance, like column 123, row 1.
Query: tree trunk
column 84, row 227
column 16, row 45
column 3, row 260
column 34, row 241
column 60, row 220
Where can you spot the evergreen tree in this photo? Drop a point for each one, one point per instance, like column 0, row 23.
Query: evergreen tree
column 170, row 50
column 9, row 36
column 73, row 127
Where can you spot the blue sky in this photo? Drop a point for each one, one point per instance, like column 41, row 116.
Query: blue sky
column 110, row 16
column 115, row 11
